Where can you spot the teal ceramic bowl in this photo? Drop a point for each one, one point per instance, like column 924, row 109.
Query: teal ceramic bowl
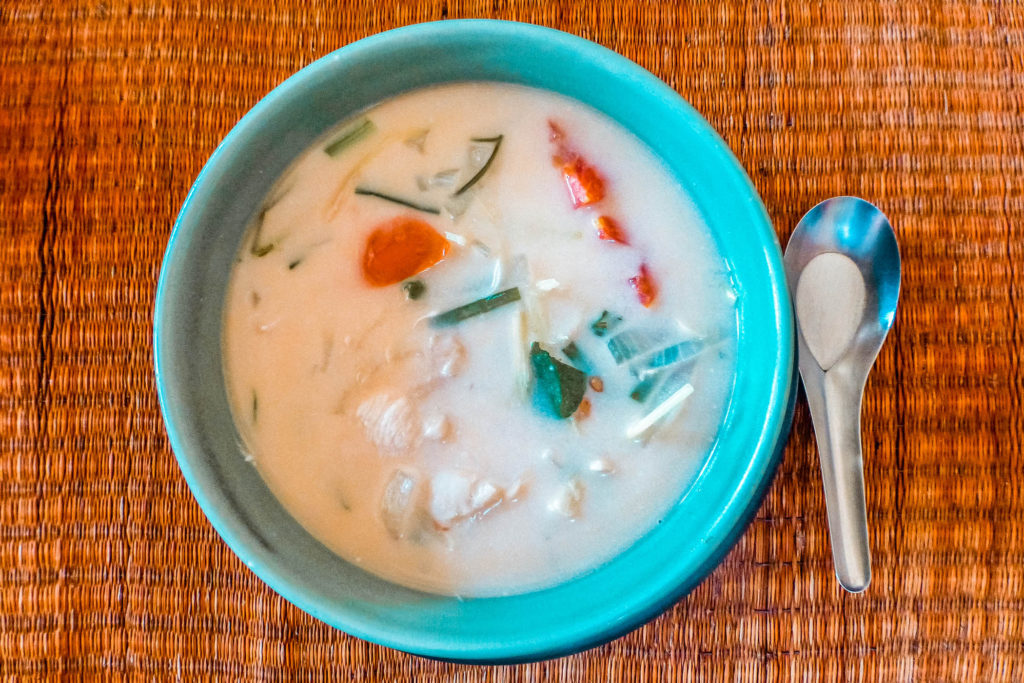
column 611, row 600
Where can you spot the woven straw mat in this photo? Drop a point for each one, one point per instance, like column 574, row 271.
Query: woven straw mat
column 108, row 111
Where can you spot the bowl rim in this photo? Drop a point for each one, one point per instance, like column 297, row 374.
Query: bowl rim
column 747, row 493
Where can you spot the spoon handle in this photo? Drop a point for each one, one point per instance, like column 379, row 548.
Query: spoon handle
column 835, row 403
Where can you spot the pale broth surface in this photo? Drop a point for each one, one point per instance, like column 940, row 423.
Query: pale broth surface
column 428, row 454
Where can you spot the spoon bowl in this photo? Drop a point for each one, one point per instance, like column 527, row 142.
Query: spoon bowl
column 843, row 270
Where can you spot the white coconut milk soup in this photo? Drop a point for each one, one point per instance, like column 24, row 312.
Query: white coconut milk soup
column 478, row 341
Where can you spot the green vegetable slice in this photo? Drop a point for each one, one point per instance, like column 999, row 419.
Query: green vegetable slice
column 475, row 308
column 350, row 137
column 562, row 385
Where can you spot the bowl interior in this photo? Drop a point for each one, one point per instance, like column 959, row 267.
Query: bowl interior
column 641, row 582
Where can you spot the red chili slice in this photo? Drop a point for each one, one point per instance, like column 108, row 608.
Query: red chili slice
column 609, row 229
column 586, row 186
column 645, row 287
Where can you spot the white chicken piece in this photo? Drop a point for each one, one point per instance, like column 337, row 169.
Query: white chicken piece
column 447, row 355
column 569, row 500
column 391, row 425
column 458, row 496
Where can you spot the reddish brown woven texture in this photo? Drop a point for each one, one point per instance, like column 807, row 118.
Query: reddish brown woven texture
column 107, row 113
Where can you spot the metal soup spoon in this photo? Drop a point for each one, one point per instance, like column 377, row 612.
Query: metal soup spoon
column 843, row 270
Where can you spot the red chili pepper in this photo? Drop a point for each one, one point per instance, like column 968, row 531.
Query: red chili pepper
column 400, row 248
column 609, row 229
column 645, row 287
column 586, row 186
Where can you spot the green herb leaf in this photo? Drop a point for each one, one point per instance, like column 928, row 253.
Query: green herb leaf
column 487, row 164
column 350, row 137
column 414, row 289
column 398, row 200
column 484, row 305
column 562, row 385
column 255, row 406
column 605, row 323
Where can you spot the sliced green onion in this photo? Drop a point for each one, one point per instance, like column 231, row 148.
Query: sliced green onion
column 260, row 250
column 643, row 389
column 487, row 164
column 562, row 385
column 414, row 289
column 605, row 324
column 350, row 137
column 475, row 308
column 398, row 200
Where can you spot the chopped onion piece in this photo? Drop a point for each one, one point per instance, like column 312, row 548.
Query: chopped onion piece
column 447, row 355
column 418, row 139
column 444, row 178
column 670, row 355
column 397, row 502
column 456, row 238
column 479, row 153
column 552, row 457
column 637, row 342
column 457, row 205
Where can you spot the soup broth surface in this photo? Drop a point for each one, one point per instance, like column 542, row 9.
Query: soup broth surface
column 478, row 340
